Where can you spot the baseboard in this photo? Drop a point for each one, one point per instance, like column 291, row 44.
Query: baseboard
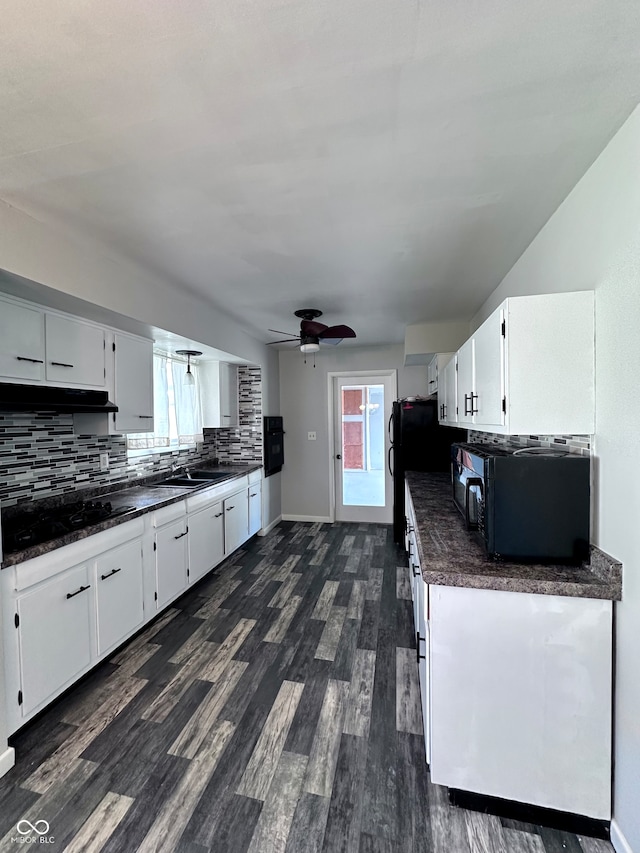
column 7, row 760
column 527, row 813
column 619, row 842
column 311, row 518
column 264, row 530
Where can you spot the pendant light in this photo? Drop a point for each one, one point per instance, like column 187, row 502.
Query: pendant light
column 189, row 378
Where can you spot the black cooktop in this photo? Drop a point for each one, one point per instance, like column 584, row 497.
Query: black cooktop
column 26, row 529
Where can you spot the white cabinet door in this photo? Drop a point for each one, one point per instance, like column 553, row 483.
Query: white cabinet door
column 119, row 594
column 206, row 540
column 171, row 561
column 133, row 384
column 255, row 508
column 422, row 642
column 21, row 342
column 228, row 395
column 465, row 382
column 488, row 360
column 432, row 375
column 55, row 635
column 75, row 352
column 236, row 521
column 447, row 393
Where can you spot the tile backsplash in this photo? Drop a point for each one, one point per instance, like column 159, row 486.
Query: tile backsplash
column 580, row 444
column 41, row 456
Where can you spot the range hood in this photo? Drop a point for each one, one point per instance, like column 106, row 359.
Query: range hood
column 44, row 399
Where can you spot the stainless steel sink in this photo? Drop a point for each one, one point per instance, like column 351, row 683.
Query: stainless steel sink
column 183, row 482
column 210, row 475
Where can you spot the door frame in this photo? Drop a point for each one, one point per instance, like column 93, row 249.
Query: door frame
column 391, row 373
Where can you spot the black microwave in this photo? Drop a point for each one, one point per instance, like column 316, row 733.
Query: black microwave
column 525, row 504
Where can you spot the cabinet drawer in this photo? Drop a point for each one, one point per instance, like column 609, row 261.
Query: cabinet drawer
column 119, row 594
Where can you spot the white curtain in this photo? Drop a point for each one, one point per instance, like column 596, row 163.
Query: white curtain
column 177, row 409
column 187, row 404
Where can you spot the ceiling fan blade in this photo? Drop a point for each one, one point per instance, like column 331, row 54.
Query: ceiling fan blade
column 330, row 342
column 311, row 329
column 337, row 332
column 284, row 341
column 280, row 332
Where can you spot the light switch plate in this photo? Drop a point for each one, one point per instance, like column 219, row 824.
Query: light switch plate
column 104, row 461
column 311, row 436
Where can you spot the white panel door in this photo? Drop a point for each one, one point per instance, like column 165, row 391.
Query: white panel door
column 362, row 405
column 119, row 594
column 75, row 352
column 171, row 561
column 521, row 697
column 133, row 384
column 55, row 634
column 21, row 342
column 206, row 540
column 236, row 521
column 488, row 357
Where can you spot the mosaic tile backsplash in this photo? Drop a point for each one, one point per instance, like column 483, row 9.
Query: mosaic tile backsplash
column 41, row 456
column 580, row 444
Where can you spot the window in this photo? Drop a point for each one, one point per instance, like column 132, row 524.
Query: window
column 177, row 409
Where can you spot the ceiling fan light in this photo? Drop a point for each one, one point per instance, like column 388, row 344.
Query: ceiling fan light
column 189, row 378
column 311, row 347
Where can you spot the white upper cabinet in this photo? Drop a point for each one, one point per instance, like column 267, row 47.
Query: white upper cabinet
column 75, row 352
column 21, row 342
column 529, row 368
column 133, row 391
column 447, row 393
column 435, row 369
column 219, row 390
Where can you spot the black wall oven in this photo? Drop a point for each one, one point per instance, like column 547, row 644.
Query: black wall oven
column 273, row 445
column 527, row 504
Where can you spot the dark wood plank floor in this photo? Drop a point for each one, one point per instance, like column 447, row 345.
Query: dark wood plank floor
column 273, row 709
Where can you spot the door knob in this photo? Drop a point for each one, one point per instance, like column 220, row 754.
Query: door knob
column 338, row 456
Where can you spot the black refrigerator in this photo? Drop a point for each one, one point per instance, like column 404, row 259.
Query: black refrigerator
column 418, row 443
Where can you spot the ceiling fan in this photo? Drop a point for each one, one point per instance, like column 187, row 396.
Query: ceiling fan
column 312, row 334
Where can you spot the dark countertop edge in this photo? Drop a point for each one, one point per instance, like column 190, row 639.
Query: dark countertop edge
column 603, row 574
column 177, row 494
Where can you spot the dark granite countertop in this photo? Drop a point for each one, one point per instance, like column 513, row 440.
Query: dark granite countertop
column 451, row 556
column 141, row 495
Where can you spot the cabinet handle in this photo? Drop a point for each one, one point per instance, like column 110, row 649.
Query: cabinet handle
column 145, row 417
column 111, row 573
column 32, row 360
column 78, row 591
column 415, row 566
column 229, row 507
column 180, row 535
column 418, row 655
column 61, row 364
column 474, row 411
column 432, row 382
column 252, row 494
column 218, row 514
column 467, row 398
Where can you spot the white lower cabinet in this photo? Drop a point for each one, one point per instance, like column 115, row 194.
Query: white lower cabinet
column 236, row 521
column 119, row 594
column 423, row 651
column 206, row 540
column 54, row 635
column 255, row 508
column 171, row 561
column 520, row 697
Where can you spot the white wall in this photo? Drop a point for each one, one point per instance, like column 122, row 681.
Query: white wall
column 593, row 241
column 304, row 406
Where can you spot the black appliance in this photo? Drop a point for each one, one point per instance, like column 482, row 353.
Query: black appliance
column 273, row 445
column 525, row 504
column 418, row 443
column 24, row 529
column 43, row 398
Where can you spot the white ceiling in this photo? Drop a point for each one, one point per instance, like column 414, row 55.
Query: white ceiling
column 384, row 160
